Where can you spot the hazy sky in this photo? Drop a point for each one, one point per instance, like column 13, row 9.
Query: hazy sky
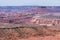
column 30, row 2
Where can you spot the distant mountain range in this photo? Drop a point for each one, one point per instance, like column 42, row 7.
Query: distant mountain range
column 41, row 8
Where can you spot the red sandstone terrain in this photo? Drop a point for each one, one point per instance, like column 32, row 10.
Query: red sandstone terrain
column 30, row 33
column 12, row 24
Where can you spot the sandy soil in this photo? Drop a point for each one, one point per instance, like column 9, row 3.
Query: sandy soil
column 34, row 33
column 57, row 37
